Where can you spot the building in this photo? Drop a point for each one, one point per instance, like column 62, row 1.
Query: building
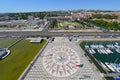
column 36, row 40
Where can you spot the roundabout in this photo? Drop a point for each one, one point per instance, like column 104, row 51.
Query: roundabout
column 61, row 61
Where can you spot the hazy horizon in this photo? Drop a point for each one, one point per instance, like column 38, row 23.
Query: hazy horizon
column 15, row 6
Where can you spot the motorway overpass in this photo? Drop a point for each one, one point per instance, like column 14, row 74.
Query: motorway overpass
column 41, row 33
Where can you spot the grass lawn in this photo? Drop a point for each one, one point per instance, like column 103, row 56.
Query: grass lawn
column 5, row 42
column 3, row 27
column 21, row 55
column 64, row 24
column 7, row 26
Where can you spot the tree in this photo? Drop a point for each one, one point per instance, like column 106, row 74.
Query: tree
column 104, row 16
column 107, row 25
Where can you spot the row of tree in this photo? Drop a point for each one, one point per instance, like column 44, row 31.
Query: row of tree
column 53, row 24
column 104, row 16
column 106, row 25
column 83, row 23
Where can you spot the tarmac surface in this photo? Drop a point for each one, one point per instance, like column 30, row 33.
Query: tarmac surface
column 31, row 32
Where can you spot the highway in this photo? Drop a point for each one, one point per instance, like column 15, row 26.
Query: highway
column 46, row 33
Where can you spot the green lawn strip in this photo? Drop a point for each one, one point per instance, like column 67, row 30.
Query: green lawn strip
column 21, row 55
column 3, row 26
column 5, row 42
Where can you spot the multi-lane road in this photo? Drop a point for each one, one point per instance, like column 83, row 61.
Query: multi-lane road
column 46, row 33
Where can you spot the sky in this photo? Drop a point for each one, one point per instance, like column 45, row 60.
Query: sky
column 55, row 5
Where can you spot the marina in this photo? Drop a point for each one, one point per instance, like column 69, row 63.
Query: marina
column 106, row 54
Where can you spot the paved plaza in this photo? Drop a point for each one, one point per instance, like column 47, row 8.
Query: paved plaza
column 61, row 60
